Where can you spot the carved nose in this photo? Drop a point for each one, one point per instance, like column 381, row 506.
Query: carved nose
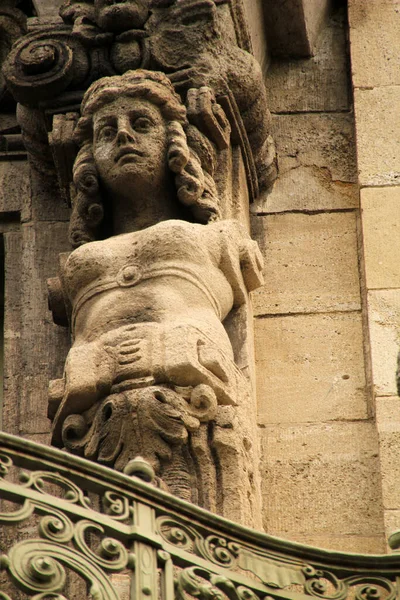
column 125, row 135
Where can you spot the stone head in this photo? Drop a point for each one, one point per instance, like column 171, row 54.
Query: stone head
column 131, row 122
column 134, row 132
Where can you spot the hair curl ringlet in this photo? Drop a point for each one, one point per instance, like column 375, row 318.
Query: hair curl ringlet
column 192, row 166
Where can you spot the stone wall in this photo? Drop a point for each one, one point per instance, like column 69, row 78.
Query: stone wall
column 327, row 319
column 375, row 59
column 320, row 467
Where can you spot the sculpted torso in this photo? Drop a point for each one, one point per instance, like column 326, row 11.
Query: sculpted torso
column 168, row 273
column 148, row 307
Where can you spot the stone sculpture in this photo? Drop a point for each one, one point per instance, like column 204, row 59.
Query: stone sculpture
column 154, row 275
column 150, row 118
column 189, row 40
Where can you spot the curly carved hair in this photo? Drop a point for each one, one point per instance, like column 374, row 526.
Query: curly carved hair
column 190, row 155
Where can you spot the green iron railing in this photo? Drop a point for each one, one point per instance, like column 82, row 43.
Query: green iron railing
column 72, row 529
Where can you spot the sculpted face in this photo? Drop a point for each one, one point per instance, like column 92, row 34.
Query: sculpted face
column 121, row 15
column 130, row 145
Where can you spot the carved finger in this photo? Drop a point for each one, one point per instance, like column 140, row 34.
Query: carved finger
column 128, row 351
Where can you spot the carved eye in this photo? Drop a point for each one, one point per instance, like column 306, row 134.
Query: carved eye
column 142, row 124
column 107, row 133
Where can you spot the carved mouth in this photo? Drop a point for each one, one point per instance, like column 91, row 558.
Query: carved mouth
column 128, row 151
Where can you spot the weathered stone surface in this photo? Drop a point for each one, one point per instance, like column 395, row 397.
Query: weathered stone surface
column 384, row 331
column 44, row 201
column 322, row 479
column 293, row 26
column 44, row 346
column 316, row 84
column 14, row 185
column 310, row 368
column 255, row 20
column 374, row 38
column 378, row 135
column 351, row 542
column 388, row 425
column 392, row 522
column 47, row 8
column 12, row 372
column 381, row 228
column 310, row 263
column 317, row 164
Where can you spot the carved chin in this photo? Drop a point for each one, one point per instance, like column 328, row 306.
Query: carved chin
column 123, row 16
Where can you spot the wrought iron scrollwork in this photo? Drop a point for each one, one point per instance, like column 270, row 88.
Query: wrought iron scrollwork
column 71, row 492
column 202, row 584
column 323, row 584
column 133, row 532
column 213, row 547
column 37, row 566
column 5, row 464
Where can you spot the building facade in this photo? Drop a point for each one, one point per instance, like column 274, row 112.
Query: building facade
column 323, row 440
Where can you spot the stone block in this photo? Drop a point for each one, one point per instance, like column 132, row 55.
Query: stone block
column 377, row 113
column 14, row 185
column 310, row 368
column 45, row 202
column 315, row 84
column 388, row 424
column 388, row 413
column 44, row 345
column 384, row 332
column 322, row 480
column 392, row 522
column 381, row 234
column 310, row 263
column 362, row 544
column 317, row 164
column 293, row 26
column 255, row 20
column 374, row 40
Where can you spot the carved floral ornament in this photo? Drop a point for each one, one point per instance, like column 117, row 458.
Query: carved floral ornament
column 141, row 536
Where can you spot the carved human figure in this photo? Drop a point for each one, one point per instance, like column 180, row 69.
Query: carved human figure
column 183, row 38
column 151, row 360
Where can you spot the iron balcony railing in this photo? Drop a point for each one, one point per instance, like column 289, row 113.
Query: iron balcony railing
column 72, row 529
